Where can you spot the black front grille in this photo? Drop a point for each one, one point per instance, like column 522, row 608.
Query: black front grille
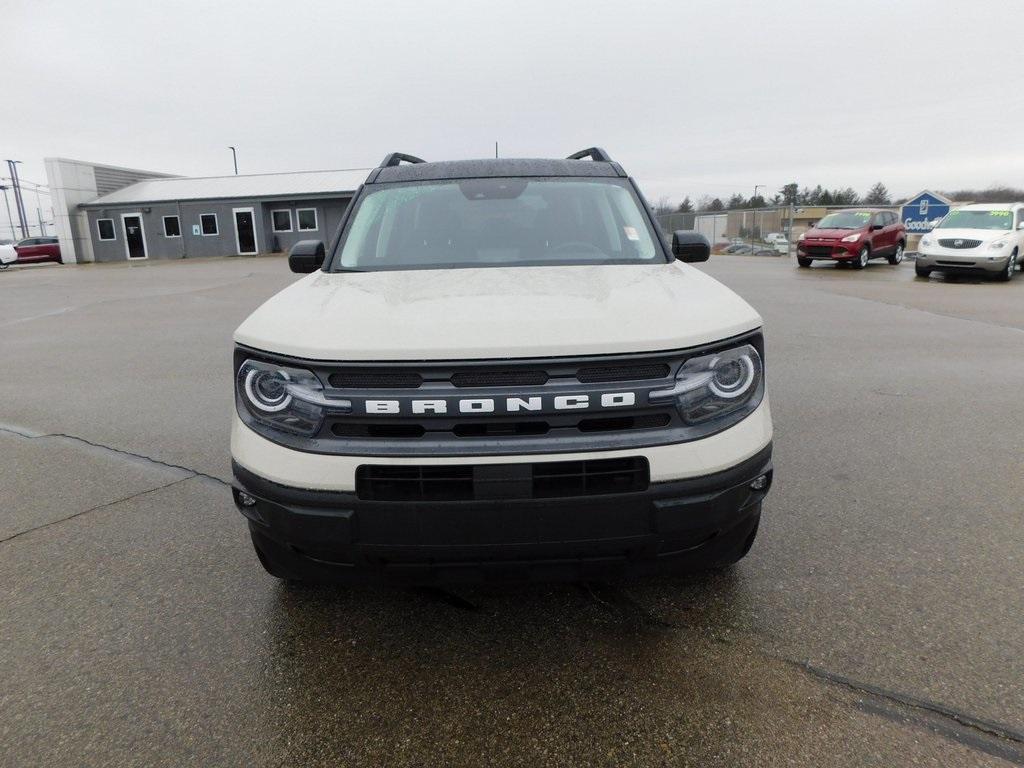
column 501, row 428
column 345, row 426
column 949, row 242
column 375, row 379
column 623, row 423
column 499, row 378
column 381, row 430
column 542, row 480
column 818, row 250
column 603, row 373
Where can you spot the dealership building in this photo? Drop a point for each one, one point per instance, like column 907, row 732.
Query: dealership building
column 108, row 213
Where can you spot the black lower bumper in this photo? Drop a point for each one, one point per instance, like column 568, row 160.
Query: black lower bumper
column 336, row 536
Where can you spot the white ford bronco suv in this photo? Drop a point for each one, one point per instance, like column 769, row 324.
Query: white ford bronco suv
column 500, row 370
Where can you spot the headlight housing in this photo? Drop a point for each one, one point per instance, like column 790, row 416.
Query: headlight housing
column 926, row 241
column 282, row 398
column 803, row 236
column 852, row 238
column 997, row 245
column 716, row 390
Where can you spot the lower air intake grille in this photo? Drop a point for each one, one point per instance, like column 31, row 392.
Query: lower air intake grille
column 547, row 480
column 818, row 250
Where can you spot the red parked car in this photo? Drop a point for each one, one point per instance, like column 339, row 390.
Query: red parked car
column 35, row 249
column 854, row 236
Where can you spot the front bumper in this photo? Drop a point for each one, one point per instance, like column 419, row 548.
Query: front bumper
column 337, row 536
column 968, row 260
column 828, row 249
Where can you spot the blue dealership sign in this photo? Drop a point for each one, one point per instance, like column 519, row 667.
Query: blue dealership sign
column 922, row 212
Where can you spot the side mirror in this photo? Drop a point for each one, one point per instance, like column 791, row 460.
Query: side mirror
column 875, row 227
column 306, row 256
column 690, row 246
column 1021, row 225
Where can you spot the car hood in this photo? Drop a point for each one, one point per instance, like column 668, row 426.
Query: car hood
column 829, row 234
column 985, row 235
column 453, row 314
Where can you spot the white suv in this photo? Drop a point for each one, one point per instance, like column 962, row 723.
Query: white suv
column 499, row 369
column 980, row 238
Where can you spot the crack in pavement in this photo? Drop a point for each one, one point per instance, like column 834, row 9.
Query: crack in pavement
column 987, row 727
column 94, row 509
column 990, row 745
column 987, row 736
column 29, row 435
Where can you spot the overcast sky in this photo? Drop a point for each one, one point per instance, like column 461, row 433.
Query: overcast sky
column 692, row 97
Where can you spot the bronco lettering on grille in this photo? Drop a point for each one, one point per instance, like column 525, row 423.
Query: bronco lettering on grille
column 477, row 405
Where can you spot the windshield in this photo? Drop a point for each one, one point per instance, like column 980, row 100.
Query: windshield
column 845, row 220
column 498, row 222
column 978, row 219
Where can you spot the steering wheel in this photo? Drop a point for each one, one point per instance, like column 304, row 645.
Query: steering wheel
column 578, row 245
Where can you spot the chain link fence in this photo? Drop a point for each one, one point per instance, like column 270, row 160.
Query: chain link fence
column 773, row 229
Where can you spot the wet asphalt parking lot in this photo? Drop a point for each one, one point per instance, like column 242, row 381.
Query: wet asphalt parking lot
column 877, row 621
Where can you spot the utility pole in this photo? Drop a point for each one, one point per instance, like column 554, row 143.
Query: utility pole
column 7, row 203
column 753, row 215
column 234, row 157
column 39, row 212
column 495, row 150
column 19, row 204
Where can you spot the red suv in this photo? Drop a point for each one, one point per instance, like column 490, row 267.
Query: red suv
column 854, row 236
column 35, row 249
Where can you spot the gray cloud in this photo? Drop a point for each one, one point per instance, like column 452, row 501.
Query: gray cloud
column 693, row 97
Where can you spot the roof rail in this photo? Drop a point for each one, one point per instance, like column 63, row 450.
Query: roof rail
column 395, row 158
column 594, row 153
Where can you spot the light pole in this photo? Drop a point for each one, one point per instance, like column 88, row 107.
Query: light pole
column 234, row 158
column 753, row 215
column 12, row 166
column 39, row 212
column 7, row 203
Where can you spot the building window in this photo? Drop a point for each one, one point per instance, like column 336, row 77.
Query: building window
column 208, row 224
column 307, row 219
column 282, row 221
column 172, row 227
column 105, row 229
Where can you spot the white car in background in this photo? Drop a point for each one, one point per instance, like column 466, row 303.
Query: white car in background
column 7, row 254
column 979, row 238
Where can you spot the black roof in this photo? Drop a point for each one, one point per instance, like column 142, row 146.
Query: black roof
column 392, row 169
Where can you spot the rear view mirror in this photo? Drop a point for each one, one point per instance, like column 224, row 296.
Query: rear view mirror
column 690, row 246
column 306, row 256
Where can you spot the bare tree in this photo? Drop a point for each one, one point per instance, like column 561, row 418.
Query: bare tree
column 663, row 206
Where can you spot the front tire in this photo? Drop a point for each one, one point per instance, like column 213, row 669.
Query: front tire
column 897, row 255
column 862, row 257
column 803, row 262
column 1011, row 267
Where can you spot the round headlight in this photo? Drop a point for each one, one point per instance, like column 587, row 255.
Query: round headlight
column 268, row 390
column 732, row 377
